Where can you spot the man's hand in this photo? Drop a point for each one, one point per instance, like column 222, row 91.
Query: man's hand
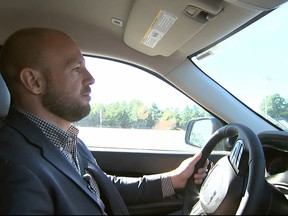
column 180, row 175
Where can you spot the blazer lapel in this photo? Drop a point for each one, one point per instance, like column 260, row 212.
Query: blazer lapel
column 109, row 194
column 56, row 158
column 24, row 126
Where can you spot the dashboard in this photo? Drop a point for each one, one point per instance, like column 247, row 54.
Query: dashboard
column 276, row 160
column 275, row 147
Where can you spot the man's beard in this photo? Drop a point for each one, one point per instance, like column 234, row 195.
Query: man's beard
column 63, row 106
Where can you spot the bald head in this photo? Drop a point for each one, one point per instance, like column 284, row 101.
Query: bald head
column 45, row 72
column 26, row 48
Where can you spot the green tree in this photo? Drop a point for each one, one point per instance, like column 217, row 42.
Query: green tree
column 275, row 106
column 116, row 116
column 154, row 114
column 93, row 119
column 191, row 113
column 187, row 114
column 138, row 113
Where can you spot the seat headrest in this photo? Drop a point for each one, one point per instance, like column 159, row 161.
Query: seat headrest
column 4, row 98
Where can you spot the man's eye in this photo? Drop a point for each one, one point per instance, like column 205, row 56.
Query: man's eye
column 76, row 69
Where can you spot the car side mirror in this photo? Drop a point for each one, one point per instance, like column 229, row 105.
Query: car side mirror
column 199, row 131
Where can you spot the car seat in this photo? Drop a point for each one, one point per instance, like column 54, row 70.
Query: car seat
column 4, row 99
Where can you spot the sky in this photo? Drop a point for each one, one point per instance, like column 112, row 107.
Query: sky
column 259, row 67
column 108, row 74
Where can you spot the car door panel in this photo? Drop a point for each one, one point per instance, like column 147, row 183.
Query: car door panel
column 138, row 163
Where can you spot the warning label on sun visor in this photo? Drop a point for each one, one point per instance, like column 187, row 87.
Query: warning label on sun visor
column 160, row 26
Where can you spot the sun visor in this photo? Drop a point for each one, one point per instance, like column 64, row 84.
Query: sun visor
column 160, row 27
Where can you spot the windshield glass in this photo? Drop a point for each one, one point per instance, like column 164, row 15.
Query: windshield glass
column 253, row 66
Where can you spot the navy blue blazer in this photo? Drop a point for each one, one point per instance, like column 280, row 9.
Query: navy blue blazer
column 35, row 178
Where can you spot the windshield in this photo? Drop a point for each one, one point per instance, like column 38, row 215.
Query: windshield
column 253, row 66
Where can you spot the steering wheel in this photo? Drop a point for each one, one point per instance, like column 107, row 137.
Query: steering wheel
column 236, row 183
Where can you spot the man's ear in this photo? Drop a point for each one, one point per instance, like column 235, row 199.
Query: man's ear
column 32, row 80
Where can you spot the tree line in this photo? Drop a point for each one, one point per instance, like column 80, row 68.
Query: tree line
column 136, row 114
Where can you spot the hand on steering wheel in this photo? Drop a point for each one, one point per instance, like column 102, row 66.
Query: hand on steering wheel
column 236, row 182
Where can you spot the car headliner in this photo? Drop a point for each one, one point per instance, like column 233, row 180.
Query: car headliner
column 89, row 23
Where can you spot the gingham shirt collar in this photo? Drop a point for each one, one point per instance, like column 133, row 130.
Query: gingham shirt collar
column 65, row 141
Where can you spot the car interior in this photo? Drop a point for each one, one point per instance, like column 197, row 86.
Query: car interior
column 250, row 172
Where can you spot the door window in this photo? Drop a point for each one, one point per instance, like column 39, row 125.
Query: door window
column 133, row 109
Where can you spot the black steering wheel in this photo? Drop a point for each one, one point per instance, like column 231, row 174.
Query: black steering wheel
column 236, row 183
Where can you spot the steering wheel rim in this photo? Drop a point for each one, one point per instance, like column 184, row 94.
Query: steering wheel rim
column 253, row 177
